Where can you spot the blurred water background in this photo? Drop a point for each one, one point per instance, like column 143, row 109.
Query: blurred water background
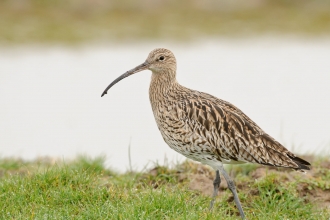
column 269, row 58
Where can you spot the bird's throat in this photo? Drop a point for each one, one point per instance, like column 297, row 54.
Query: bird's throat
column 161, row 85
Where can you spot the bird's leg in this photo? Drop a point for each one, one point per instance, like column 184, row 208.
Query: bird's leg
column 231, row 186
column 216, row 184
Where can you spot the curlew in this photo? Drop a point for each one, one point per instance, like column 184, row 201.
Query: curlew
column 205, row 128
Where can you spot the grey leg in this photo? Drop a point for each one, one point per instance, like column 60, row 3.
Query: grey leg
column 216, row 184
column 232, row 188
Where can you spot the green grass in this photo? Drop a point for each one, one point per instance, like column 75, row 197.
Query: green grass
column 71, row 21
column 85, row 189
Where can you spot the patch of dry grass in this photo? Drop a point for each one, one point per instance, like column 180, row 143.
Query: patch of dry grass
column 26, row 21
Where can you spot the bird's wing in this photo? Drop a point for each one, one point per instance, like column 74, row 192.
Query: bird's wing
column 235, row 135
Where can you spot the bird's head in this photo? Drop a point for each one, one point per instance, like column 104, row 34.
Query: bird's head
column 159, row 61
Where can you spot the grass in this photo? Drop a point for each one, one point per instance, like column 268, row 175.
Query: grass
column 71, row 21
column 85, row 189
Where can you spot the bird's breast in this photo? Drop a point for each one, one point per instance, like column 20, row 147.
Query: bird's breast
column 179, row 132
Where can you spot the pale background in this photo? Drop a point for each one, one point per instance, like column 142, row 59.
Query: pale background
column 50, row 87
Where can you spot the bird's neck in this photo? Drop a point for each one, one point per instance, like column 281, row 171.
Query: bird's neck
column 161, row 85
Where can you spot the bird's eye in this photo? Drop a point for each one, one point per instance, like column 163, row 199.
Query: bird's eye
column 161, row 58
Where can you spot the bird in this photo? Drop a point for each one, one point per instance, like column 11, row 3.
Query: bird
column 205, row 128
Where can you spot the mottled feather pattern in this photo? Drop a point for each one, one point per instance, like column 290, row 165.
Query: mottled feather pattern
column 207, row 129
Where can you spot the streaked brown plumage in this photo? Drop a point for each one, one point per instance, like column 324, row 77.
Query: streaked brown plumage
column 205, row 128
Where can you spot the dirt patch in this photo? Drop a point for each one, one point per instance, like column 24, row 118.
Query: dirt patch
column 204, row 184
column 322, row 198
column 289, row 175
column 318, row 196
column 325, row 164
column 202, row 180
column 201, row 183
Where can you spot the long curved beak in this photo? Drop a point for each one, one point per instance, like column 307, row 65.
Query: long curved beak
column 139, row 68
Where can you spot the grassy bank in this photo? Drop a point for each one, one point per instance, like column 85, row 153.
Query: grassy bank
column 71, row 21
column 85, row 189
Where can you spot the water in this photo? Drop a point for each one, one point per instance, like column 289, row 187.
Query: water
column 51, row 104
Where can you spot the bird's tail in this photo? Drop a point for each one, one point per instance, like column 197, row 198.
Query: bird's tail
column 303, row 164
